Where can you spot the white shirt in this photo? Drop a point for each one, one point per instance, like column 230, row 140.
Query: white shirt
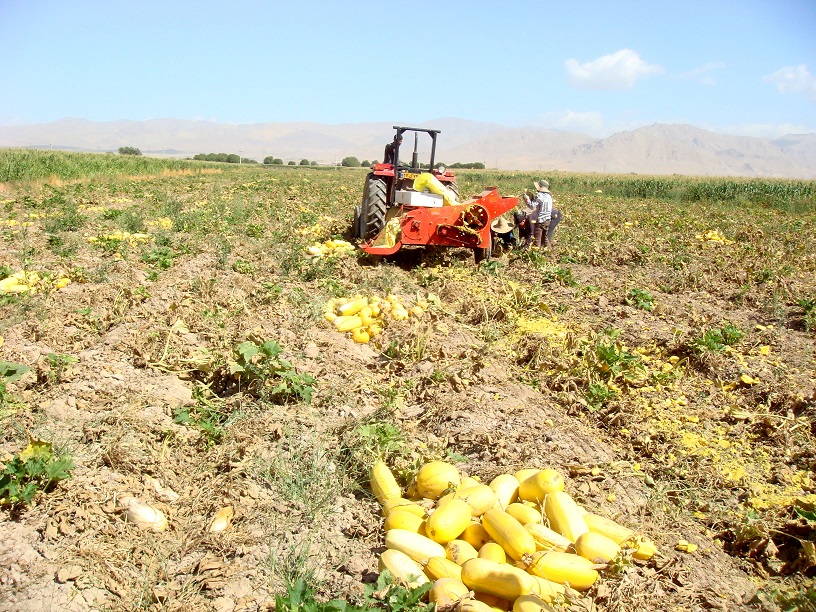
column 543, row 207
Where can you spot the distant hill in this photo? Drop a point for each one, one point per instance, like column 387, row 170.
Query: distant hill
column 655, row 149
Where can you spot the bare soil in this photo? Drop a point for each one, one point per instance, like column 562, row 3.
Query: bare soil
column 687, row 459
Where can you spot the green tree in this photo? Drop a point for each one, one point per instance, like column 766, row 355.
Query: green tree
column 268, row 160
column 304, row 162
column 365, row 162
column 129, row 151
column 350, row 162
column 292, row 163
column 277, row 161
column 232, row 158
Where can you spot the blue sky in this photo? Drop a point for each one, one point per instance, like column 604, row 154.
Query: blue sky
column 744, row 67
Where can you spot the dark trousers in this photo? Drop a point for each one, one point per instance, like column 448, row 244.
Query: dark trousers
column 540, row 233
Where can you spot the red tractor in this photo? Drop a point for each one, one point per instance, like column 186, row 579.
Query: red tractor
column 424, row 219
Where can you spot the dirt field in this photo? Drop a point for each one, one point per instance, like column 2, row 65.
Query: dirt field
column 661, row 356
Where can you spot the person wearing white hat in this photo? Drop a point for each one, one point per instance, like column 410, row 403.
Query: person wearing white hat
column 541, row 215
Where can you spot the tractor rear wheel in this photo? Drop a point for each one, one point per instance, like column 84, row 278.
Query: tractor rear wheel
column 373, row 208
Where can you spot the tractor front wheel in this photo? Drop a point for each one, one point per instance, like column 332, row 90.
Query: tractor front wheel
column 371, row 217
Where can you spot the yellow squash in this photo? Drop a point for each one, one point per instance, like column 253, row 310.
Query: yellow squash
column 416, row 546
column 383, row 484
column 523, row 513
column 506, row 487
column 402, row 567
column 509, row 533
column 479, row 497
column 403, row 504
column 403, row 519
column 435, row 478
column 564, row 515
column 596, row 547
column 531, row 603
column 448, row 521
column 440, row 567
column 548, row 590
column 494, row 552
column 447, row 591
column 564, row 568
column 524, row 474
column 460, row 551
column 541, row 484
column 476, row 535
column 607, row 527
column 499, row 579
column 547, row 539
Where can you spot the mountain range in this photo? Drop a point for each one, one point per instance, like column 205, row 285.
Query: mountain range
column 657, row 149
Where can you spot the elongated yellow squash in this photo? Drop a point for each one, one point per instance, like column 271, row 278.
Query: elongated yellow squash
column 564, row 516
column 416, row 546
column 596, row 547
column 499, row 579
column 564, row 568
column 447, row 591
column 494, row 552
column 460, row 551
column 436, row 477
column 476, row 535
column 347, row 323
column 440, row 567
column 403, row 519
column 448, row 521
column 540, row 484
column 402, row 567
column 531, row 603
column 607, row 527
column 403, row 504
column 547, row 539
column 523, row 513
column 506, row 487
column 383, row 484
column 509, row 533
column 352, row 307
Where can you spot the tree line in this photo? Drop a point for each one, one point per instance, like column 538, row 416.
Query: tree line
column 269, row 160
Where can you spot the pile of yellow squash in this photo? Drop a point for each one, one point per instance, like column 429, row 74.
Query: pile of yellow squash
column 365, row 317
column 514, row 543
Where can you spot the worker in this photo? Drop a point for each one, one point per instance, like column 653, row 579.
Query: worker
column 542, row 214
column 501, row 229
column 522, row 216
column 390, row 149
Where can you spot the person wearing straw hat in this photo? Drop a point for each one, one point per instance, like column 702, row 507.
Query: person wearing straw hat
column 542, row 214
column 502, row 230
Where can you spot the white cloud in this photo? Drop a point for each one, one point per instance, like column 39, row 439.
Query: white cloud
column 793, row 78
column 619, row 70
